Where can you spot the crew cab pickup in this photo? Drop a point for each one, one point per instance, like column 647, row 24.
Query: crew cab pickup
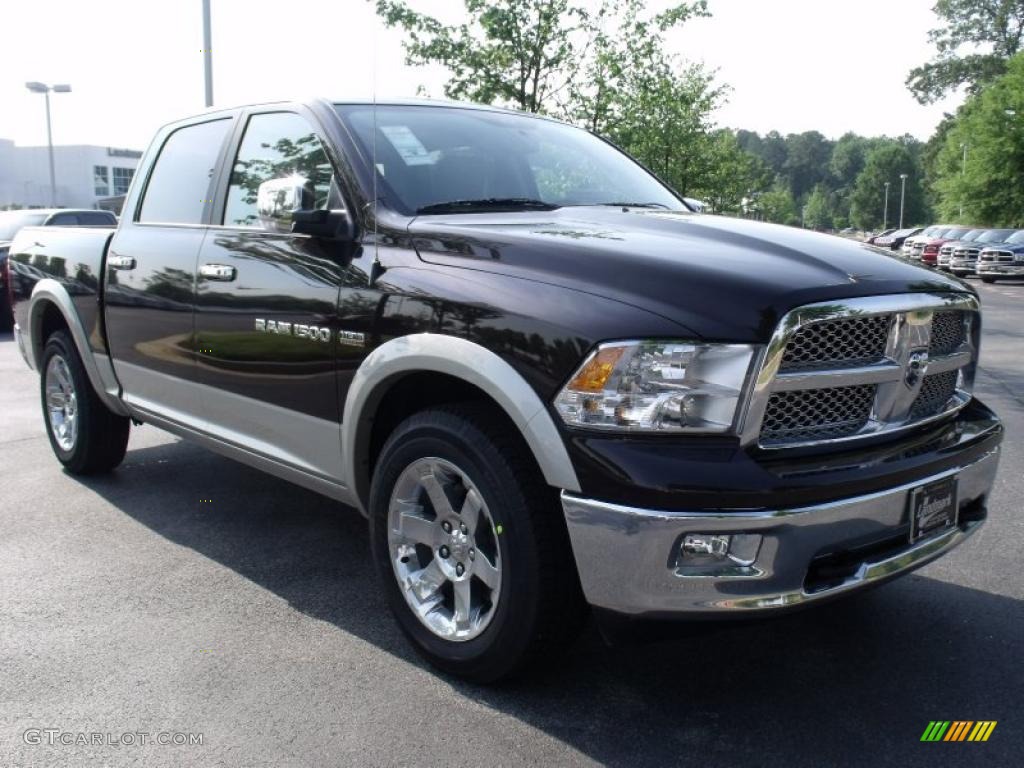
column 546, row 382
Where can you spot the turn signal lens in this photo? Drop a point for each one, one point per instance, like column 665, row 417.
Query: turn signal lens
column 596, row 371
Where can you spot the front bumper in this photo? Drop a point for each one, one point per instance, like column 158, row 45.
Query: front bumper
column 1001, row 270
column 962, row 266
column 626, row 557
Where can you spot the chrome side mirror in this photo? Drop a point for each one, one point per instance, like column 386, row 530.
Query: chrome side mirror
column 277, row 200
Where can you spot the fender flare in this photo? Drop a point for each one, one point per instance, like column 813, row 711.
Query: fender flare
column 464, row 360
column 97, row 367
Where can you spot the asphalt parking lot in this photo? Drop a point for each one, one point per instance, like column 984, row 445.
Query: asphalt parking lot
column 189, row 594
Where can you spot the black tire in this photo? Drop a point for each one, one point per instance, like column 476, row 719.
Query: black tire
column 101, row 436
column 987, row 279
column 540, row 608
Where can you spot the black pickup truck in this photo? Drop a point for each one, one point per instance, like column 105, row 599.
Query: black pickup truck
column 545, row 380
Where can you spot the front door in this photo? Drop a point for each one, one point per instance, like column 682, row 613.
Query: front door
column 267, row 306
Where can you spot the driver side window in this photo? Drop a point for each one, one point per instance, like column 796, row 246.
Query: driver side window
column 276, row 145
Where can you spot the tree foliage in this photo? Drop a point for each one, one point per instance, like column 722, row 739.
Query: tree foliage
column 972, row 46
column 885, row 163
column 990, row 185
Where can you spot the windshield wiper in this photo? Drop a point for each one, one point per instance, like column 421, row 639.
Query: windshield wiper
column 634, row 205
column 488, row 204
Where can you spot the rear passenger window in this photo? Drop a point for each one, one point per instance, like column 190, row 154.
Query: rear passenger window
column 276, row 145
column 63, row 220
column 179, row 185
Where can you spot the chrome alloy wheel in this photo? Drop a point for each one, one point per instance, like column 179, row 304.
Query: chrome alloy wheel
column 443, row 544
column 61, row 403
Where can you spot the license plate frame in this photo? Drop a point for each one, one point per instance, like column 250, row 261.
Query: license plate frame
column 934, row 508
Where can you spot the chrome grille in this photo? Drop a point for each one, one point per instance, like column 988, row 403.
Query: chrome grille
column 1004, row 256
column 936, row 392
column 816, row 414
column 949, row 332
column 847, row 342
column 862, row 367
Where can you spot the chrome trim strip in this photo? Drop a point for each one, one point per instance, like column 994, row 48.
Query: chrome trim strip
column 909, row 332
column 624, row 555
column 838, row 377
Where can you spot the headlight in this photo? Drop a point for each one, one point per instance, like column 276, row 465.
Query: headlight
column 658, row 386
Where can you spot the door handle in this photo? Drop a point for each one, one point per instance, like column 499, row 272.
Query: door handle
column 121, row 262
column 221, row 272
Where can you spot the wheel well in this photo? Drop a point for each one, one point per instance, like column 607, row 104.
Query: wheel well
column 416, row 392
column 51, row 321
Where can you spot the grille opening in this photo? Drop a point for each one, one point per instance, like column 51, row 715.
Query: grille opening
column 847, row 342
column 830, row 570
column 949, row 332
column 935, row 394
column 817, row 414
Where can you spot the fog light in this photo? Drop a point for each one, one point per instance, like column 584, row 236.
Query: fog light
column 711, row 549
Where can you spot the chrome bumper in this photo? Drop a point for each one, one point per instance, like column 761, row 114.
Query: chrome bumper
column 626, row 557
column 1006, row 270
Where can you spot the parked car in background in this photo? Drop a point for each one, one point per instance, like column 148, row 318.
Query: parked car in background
column 1002, row 260
column 911, row 243
column 12, row 221
column 964, row 258
column 874, row 238
column 929, row 252
column 895, row 240
column 947, row 248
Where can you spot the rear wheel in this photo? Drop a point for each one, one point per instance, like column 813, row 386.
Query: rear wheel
column 85, row 435
column 987, row 279
column 471, row 547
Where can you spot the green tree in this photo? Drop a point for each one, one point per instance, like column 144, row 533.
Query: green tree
column 885, row 163
column 777, row 205
column 734, row 178
column 807, row 159
column 990, row 185
column 532, row 54
column 818, row 209
column 971, row 47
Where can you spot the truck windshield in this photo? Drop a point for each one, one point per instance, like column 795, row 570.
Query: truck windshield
column 432, row 159
column 12, row 221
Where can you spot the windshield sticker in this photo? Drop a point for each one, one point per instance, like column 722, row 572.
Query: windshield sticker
column 408, row 146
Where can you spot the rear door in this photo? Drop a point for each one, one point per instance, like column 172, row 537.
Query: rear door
column 267, row 303
column 151, row 271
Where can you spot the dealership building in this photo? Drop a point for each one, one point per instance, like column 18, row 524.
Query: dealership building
column 86, row 176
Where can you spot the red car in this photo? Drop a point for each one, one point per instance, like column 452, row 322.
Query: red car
column 930, row 252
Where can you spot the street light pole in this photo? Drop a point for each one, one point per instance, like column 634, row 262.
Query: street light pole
column 207, row 55
column 963, row 172
column 885, row 214
column 45, row 89
column 903, row 195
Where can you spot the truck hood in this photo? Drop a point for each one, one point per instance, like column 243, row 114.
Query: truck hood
column 720, row 278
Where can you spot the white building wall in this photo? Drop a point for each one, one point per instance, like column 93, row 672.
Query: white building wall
column 25, row 174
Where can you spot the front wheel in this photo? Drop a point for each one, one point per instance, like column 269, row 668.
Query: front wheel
column 471, row 546
column 987, row 279
column 86, row 436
